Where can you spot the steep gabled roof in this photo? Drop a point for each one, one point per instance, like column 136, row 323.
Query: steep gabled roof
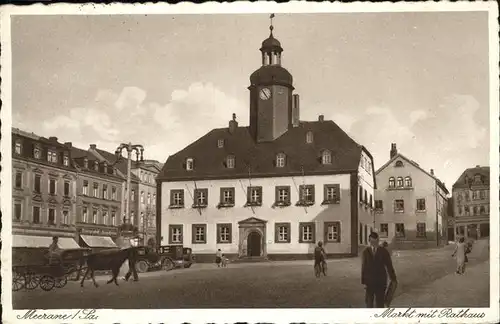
column 258, row 159
column 78, row 156
column 483, row 171
column 121, row 165
column 416, row 165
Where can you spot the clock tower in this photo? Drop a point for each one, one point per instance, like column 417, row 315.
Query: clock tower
column 271, row 88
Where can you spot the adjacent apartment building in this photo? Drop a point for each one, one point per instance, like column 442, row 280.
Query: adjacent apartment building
column 410, row 204
column 273, row 189
column 471, row 203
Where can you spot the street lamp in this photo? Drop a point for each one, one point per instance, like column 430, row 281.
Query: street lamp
column 139, row 152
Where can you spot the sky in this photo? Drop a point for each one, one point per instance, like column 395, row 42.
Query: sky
column 419, row 80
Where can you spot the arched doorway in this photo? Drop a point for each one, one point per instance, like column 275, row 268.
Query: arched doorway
column 254, row 242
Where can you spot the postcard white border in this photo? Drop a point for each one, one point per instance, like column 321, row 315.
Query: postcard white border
column 244, row 315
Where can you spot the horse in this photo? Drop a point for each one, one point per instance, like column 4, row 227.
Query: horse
column 107, row 260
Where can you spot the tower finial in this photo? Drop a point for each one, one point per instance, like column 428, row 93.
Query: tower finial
column 271, row 26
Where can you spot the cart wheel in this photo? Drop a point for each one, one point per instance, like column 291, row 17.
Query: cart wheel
column 141, row 266
column 61, row 282
column 17, row 281
column 168, row 264
column 47, row 283
column 31, row 281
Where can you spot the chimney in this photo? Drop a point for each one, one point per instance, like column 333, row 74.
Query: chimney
column 394, row 150
column 68, row 144
column 321, row 118
column 295, row 110
column 53, row 139
column 93, row 146
column 432, row 171
column 233, row 124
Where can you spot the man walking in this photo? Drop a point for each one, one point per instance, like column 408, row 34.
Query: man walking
column 131, row 265
column 376, row 263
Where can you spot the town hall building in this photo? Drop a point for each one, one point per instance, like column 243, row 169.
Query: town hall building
column 271, row 190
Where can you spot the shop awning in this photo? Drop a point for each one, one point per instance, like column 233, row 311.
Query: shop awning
column 42, row 242
column 98, row 241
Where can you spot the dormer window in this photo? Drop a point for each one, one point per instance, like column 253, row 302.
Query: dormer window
column 85, row 163
column 96, row 166
column 230, row 162
column 220, row 143
column 309, row 137
column 51, row 156
column 280, row 160
column 399, row 164
column 326, row 157
column 19, row 147
column 477, row 178
column 66, row 160
column 189, row 164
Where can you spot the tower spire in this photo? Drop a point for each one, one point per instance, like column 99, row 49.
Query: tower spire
column 271, row 26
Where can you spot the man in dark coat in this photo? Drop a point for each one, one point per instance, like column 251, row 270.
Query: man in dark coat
column 376, row 263
column 131, row 265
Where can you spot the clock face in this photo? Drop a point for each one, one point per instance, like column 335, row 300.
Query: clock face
column 265, row 94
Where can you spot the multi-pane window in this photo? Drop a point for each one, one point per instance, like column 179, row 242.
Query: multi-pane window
column 227, row 196
column 283, row 195
column 18, row 148
column 66, row 189
column 384, row 230
column 200, row 197
column 113, row 217
column 94, row 216
column 466, row 210
column 475, row 210
column 282, row 232
column 65, row 160
column 142, row 197
column 326, row 157
column 36, row 153
column 421, row 204
column 407, row 182
column 475, row 194
column 37, row 185
column 421, row 230
column 307, row 194
column 36, row 215
column 52, row 216
column 105, row 217
column 96, row 189
column 199, row 233
column 19, row 179
column 379, row 205
column 332, row 232
column 113, row 193
column 306, row 232
column 309, row 137
column 400, row 230
column 220, row 143
column 332, row 193
column 230, row 162
column 175, row 234
column 52, row 156
column 400, row 182
column 104, row 191
column 85, row 188
column 392, row 182
column 65, row 217
column 17, row 211
column 254, row 195
column 189, row 164
column 177, row 198
column 224, row 233
column 85, row 215
column 399, row 205
column 280, row 160
column 52, row 186
column 149, row 199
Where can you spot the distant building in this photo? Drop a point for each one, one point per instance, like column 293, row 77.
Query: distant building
column 99, row 198
column 410, row 204
column 43, row 191
column 471, row 197
column 270, row 190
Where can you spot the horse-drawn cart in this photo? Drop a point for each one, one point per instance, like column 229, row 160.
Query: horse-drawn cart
column 166, row 257
column 32, row 268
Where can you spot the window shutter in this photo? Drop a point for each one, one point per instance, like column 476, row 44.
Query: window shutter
column 340, row 232
column 325, row 232
column 193, row 233
column 194, row 163
column 249, row 194
column 289, row 232
column 313, row 229
column 221, row 195
column 275, row 162
column 301, row 192
column 276, row 233
column 230, row 233
column 275, row 194
column 313, row 192
column 337, row 190
column 288, row 199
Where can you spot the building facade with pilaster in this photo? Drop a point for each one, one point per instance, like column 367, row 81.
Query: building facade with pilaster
column 273, row 189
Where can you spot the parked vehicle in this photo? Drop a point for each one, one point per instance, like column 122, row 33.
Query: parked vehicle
column 166, row 257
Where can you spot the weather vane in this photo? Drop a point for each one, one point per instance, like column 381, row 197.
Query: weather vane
column 271, row 27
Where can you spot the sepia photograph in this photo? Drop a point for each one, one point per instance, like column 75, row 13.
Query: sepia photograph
column 262, row 156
